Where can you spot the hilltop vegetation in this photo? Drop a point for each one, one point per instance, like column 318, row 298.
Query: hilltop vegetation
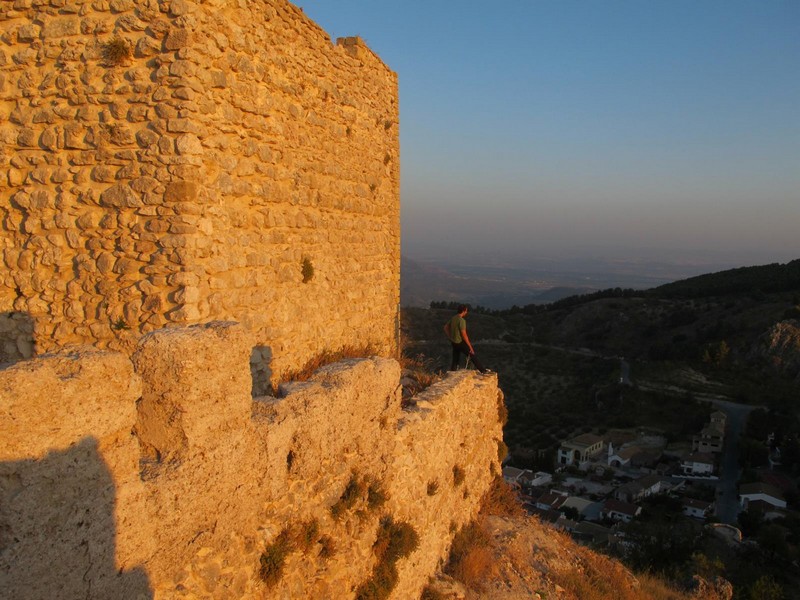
column 745, row 280
column 731, row 336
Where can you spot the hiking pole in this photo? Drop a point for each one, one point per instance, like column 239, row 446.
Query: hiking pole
column 466, row 367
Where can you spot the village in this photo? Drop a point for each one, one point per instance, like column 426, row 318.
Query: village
column 600, row 483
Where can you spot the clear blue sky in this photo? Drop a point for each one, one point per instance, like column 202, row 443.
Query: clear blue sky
column 618, row 129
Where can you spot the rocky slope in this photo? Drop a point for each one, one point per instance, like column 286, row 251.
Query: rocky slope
column 780, row 346
column 529, row 559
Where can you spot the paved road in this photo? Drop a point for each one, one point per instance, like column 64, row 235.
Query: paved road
column 727, row 493
column 624, row 372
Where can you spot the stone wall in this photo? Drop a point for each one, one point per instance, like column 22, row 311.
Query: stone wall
column 175, row 161
column 162, row 477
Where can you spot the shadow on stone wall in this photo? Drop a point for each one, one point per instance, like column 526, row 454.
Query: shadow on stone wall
column 260, row 370
column 57, row 529
column 16, row 336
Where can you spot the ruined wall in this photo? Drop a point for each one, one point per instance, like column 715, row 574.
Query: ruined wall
column 179, row 494
column 191, row 180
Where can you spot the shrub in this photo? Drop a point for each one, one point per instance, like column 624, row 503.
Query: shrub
column 376, row 497
column 502, row 451
column 394, row 541
column 470, row 560
column 116, row 51
column 307, row 269
column 306, row 536
column 458, row 475
column 429, row 593
column 433, row 487
column 353, row 491
column 274, row 557
column 502, row 410
column 328, row 547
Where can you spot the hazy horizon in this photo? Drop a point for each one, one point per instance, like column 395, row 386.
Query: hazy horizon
column 621, row 131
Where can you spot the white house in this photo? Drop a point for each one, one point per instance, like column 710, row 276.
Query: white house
column 616, row 510
column 512, row 476
column 551, row 500
column 579, row 449
column 698, row 509
column 645, row 487
column 698, row 464
column 621, row 457
column 538, row 479
column 760, row 491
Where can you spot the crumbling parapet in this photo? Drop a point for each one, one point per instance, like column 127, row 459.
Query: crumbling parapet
column 87, row 511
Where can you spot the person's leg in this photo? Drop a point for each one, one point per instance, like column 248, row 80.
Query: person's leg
column 456, row 356
column 477, row 363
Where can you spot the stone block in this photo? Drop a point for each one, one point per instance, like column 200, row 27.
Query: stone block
column 74, row 392
column 196, row 386
column 61, row 27
column 177, row 39
column 188, row 144
column 181, row 191
column 120, row 196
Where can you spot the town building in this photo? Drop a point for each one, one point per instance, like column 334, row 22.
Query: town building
column 751, row 493
column 712, row 436
column 579, row 450
column 699, row 509
column 698, row 464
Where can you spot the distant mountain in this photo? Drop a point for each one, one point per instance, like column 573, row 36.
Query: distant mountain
column 559, row 293
column 775, row 277
column 423, row 282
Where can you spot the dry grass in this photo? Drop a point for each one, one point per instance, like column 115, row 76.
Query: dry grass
column 597, row 577
column 320, row 360
column 420, row 371
column 501, row 500
column 654, row 588
column 502, row 451
column 502, row 409
column 431, row 593
column 471, row 558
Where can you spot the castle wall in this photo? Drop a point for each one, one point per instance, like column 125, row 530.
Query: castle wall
column 193, row 180
column 178, row 494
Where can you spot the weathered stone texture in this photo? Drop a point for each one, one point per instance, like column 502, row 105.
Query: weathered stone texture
column 233, row 143
column 177, row 496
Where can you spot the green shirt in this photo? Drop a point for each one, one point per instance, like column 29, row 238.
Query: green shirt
column 457, row 325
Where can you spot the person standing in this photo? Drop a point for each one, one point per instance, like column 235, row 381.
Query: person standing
column 456, row 331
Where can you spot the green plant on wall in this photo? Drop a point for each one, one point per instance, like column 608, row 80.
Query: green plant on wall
column 458, row 475
column 307, row 269
column 395, row 540
column 119, row 325
column 116, row 52
column 273, row 558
